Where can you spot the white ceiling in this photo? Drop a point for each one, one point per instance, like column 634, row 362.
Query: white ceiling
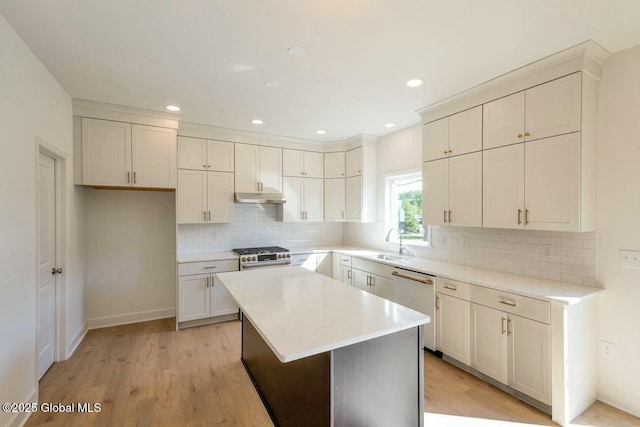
column 211, row 57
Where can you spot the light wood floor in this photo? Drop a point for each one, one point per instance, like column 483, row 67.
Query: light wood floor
column 147, row 374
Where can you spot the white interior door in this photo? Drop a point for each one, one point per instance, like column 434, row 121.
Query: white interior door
column 45, row 322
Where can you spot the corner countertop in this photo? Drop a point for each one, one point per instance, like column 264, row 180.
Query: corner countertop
column 543, row 289
column 300, row 313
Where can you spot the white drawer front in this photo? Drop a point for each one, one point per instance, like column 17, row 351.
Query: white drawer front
column 345, row 260
column 527, row 307
column 453, row 288
column 380, row 269
column 207, row 267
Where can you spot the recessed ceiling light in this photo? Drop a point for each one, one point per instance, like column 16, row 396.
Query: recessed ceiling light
column 256, row 121
column 295, row 52
column 172, row 108
column 389, row 125
column 414, row 82
column 271, row 83
column 321, row 132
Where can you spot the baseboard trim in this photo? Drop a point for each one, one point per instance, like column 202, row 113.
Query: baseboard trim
column 124, row 319
column 76, row 340
column 623, row 401
column 20, row 418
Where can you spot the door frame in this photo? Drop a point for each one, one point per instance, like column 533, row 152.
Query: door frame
column 60, row 158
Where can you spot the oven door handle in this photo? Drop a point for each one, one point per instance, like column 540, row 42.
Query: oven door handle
column 266, row 265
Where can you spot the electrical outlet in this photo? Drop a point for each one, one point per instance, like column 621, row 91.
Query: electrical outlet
column 629, row 258
column 547, row 250
column 131, row 238
column 607, row 350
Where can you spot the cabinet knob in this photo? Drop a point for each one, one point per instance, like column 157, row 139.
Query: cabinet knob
column 445, row 151
column 450, row 151
column 519, row 135
column 527, row 134
column 204, row 166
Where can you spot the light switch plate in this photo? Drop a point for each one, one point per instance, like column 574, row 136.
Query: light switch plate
column 629, row 258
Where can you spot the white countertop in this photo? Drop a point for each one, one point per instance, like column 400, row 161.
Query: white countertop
column 211, row 256
column 546, row 290
column 301, row 313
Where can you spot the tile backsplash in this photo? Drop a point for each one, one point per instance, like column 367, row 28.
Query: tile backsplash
column 572, row 256
column 256, row 225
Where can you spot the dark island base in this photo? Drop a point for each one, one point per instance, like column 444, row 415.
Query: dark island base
column 378, row 382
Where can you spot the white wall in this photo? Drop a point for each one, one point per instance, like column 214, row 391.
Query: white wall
column 256, row 225
column 128, row 282
column 32, row 104
column 619, row 226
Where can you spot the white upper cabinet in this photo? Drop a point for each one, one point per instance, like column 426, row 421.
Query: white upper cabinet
column 503, row 187
column 503, row 121
column 304, row 200
column 535, row 185
column 452, row 191
column 202, row 154
column 552, row 183
column 106, row 153
column 334, row 199
column 153, row 157
column 307, row 164
column 192, row 153
column 220, row 156
column 334, row 165
column 353, row 198
column 204, row 197
column 553, row 108
column 258, row 169
column 354, row 162
column 549, row 109
column 458, row 134
column 125, row 155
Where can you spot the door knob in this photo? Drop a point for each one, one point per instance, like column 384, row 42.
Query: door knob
column 56, row 270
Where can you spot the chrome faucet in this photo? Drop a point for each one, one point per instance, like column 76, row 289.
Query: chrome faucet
column 402, row 249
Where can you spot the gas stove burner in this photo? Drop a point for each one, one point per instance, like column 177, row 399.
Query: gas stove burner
column 261, row 250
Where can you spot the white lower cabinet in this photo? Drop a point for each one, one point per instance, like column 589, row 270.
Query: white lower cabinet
column 510, row 348
column 452, row 327
column 200, row 293
column 318, row 262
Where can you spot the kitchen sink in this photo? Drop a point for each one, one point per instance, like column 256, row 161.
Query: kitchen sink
column 392, row 258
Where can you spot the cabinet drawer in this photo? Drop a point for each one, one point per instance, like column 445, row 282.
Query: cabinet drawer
column 530, row 308
column 380, row 269
column 207, row 267
column 345, row 259
column 453, row 288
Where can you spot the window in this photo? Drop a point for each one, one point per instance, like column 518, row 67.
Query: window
column 404, row 207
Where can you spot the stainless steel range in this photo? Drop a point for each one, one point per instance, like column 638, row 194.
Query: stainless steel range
column 269, row 256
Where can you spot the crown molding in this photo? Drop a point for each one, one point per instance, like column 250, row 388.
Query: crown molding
column 121, row 113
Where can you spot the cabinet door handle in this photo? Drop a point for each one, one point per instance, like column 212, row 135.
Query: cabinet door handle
column 134, row 177
column 503, row 329
column 449, row 217
column 342, row 214
column 204, row 215
column 527, row 134
column 207, row 282
column 348, row 274
column 445, row 215
column 526, row 216
column 445, row 151
column 437, row 302
column 128, row 177
column 450, row 151
column 450, row 287
column 209, row 215
column 507, row 302
column 301, row 215
column 509, row 327
column 210, row 267
column 519, row 135
column 519, row 214
column 204, row 166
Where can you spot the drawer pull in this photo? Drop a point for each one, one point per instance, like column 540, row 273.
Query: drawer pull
column 414, row 278
column 508, row 327
column 507, row 302
column 450, row 287
column 503, row 330
column 213, row 266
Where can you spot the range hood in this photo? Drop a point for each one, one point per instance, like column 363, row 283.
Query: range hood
column 263, row 198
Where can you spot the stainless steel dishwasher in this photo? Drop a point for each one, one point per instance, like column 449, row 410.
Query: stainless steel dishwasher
column 417, row 291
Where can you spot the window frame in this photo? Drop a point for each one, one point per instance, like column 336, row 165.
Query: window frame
column 390, row 220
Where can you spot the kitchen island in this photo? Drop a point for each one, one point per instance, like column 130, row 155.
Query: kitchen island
column 322, row 353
